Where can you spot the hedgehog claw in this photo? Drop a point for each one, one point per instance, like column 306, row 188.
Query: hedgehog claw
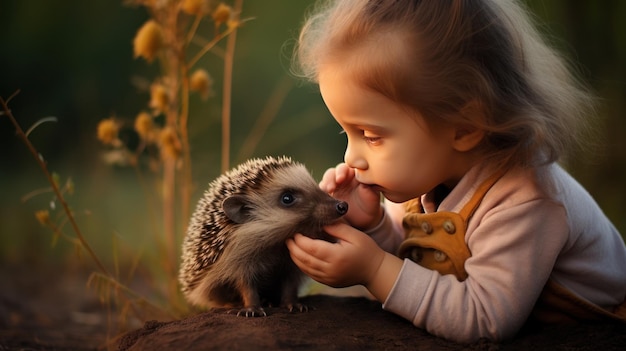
column 251, row 312
column 297, row 307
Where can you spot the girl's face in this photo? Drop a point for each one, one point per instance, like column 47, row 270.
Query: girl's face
column 390, row 147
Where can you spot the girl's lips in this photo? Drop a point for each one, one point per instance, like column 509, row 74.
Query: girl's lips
column 373, row 187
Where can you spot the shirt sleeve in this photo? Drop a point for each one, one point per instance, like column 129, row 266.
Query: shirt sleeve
column 388, row 234
column 513, row 252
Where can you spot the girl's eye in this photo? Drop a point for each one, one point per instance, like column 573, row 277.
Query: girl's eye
column 372, row 140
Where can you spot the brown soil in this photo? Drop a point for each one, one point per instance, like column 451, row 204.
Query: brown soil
column 343, row 323
column 50, row 309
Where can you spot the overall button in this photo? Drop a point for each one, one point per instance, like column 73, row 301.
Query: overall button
column 426, row 227
column 439, row 256
column 416, row 254
column 449, row 227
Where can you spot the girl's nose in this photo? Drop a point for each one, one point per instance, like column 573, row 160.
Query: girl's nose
column 354, row 158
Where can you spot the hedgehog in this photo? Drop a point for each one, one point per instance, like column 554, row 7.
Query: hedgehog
column 234, row 253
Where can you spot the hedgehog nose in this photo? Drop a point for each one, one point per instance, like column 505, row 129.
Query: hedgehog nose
column 342, row 207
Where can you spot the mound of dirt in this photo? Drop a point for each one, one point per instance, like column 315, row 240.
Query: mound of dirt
column 344, row 323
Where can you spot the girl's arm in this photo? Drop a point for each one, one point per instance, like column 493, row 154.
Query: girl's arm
column 389, row 234
column 513, row 253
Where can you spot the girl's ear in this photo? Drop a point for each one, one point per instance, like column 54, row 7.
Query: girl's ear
column 468, row 135
column 467, row 138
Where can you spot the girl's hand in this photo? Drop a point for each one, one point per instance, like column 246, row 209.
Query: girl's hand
column 354, row 259
column 364, row 209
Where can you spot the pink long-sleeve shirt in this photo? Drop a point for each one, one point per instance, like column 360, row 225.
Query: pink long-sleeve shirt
column 532, row 225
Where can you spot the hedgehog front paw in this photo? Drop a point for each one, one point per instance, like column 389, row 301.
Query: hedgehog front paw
column 252, row 311
column 297, row 307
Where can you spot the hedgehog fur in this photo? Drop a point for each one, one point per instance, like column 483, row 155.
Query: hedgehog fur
column 234, row 252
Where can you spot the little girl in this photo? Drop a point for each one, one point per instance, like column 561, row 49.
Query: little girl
column 456, row 112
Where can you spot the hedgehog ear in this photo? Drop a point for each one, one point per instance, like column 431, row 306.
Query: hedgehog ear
column 236, row 208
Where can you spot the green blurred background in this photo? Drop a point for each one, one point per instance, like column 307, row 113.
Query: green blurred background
column 73, row 59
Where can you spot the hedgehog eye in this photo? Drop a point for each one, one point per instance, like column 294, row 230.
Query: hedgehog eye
column 287, row 199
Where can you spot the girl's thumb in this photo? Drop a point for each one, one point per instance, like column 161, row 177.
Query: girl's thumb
column 339, row 230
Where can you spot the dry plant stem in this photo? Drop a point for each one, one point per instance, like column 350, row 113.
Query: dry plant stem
column 104, row 273
column 173, row 58
column 265, row 118
column 187, row 182
column 119, row 287
column 227, row 90
column 129, row 292
column 35, row 193
column 186, row 185
column 169, row 183
column 53, row 184
column 209, row 46
column 194, row 28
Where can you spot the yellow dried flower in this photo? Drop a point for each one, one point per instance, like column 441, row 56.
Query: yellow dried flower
column 107, row 131
column 158, row 98
column 148, row 40
column 201, row 82
column 43, row 217
column 221, row 14
column 144, row 125
column 195, row 7
column 232, row 24
column 170, row 144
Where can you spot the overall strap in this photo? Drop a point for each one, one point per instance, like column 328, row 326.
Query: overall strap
column 470, row 207
column 437, row 240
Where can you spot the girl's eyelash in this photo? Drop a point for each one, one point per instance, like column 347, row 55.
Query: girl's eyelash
column 371, row 140
column 366, row 138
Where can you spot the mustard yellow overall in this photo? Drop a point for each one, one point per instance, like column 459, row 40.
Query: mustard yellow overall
column 437, row 241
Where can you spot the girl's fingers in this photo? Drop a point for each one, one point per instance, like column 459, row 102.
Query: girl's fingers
column 309, row 264
column 335, row 178
column 306, row 250
column 328, row 182
column 342, row 172
column 341, row 231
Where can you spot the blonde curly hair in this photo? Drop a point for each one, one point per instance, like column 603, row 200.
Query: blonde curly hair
column 440, row 57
